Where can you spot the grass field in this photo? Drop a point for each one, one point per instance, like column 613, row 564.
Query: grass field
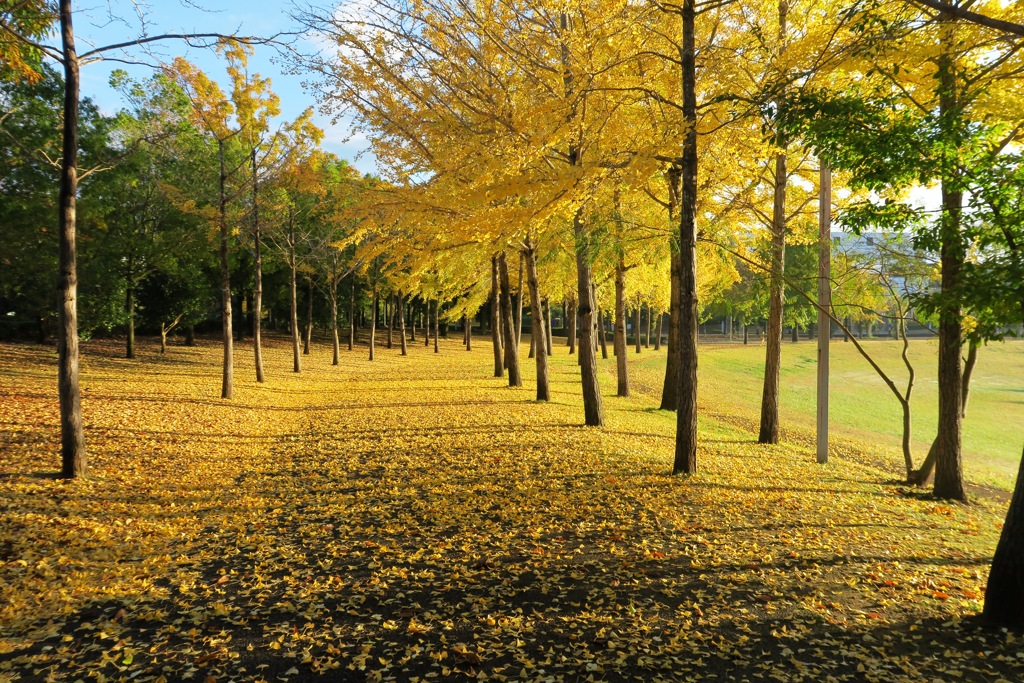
column 414, row 519
column 862, row 409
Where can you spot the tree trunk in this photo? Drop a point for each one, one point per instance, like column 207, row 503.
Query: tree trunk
column 351, row 315
column 949, row 480
column 389, row 313
column 537, row 324
column 257, row 307
column 602, row 317
column 163, row 338
column 547, row 325
column 373, row 321
column 670, row 387
column 309, row 317
column 508, row 324
column 1004, row 594
column 426, row 324
column 619, row 338
column 335, row 345
column 401, row 324
column 592, row 409
column 469, row 332
column 519, row 306
column 190, row 335
column 636, row 327
column 647, row 331
column 499, row 358
column 437, row 313
column 412, row 320
column 293, row 287
column 686, row 414
column 129, row 306
column 570, row 317
column 228, row 373
column 769, row 432
column 796, row 333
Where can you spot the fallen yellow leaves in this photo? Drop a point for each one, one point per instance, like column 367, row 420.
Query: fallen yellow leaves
column 410, row 520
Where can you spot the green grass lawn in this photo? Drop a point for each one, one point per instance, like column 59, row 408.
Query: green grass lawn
column 862, row 407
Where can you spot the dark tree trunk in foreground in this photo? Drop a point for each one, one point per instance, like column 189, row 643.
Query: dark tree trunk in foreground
column 499, row 352
column 686, row 413
column 537, row 333
column 71, row 432
column 619, row 338
column 508, row 324
column 1004, row 595
column 592, row 409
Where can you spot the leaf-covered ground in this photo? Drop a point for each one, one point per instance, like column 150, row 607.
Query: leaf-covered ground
column 413, row 519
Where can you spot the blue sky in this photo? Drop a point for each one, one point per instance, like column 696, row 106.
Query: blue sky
column 105, row 22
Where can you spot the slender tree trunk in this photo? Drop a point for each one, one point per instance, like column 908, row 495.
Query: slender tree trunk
column 163, row 337
column 412, row 320
column 293, row 291
column 519, row 306
column 401, row 324
column 592, row 409
column 796, row 333
column 619, row 338
column 228, row 373
column 309, row 317
column 636, row 327
column 670, row 387
column 469, row 332
column 686, row 414
column 426, row 323
column 129, row 306
column 602, row 317
column 389, row 311
column 769, row 432
column 257, row 308
column 537, row 324
column 508, row 324
column 658, row 333
column 746, row 335
column 190, row 335
column 73, row 462
column 499, row 352
column 548, row 341
column 373, row 321
column 647, row 330
column 437, row 314
column 949, row 480
column 335, row 345
column 570, row 317
column 351, row 315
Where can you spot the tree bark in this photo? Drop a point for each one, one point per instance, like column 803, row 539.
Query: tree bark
column 686, row 414
column 228, row 372
column 547, row 325
column 373, row 321
column 602, row 318
column 309, row 317
column 293, row 287
column 670, row 387
column 73, row 463
column 619, row 338
column 389, row 313
column 508, row 324
column 647, row 333
column 257, row 304
column 129, row 305
column 769, row 432
column 351, row 315
column 519, row 306
column 499, row 352
column 537, row 324
column 570, row 318
column 437, row 314
column 592, row 409
column 1004, row 594
column 636, row 327
column 949, row 481
column 401, row 324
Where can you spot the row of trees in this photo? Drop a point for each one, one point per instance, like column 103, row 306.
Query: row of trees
column 612, row 149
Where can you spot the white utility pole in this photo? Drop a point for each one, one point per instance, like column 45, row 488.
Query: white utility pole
column 825, row 302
